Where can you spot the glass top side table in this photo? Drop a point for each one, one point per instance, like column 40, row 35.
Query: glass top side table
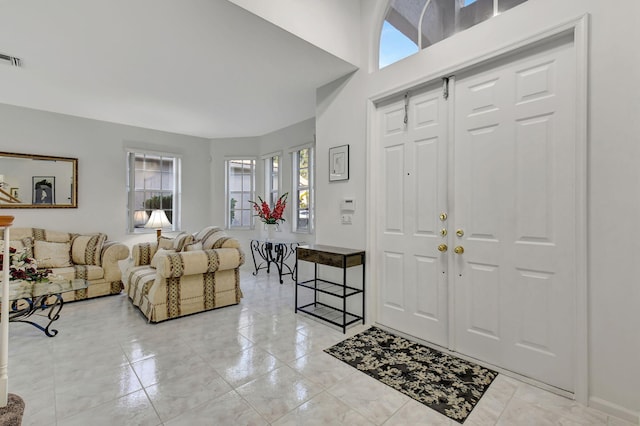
column 29, row 297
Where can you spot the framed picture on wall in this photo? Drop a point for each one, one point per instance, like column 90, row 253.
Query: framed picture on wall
column 44, row 189
column 339, row 163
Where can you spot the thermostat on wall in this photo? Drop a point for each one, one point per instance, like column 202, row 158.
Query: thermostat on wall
column 348, row 204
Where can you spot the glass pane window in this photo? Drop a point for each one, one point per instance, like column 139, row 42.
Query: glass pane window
column 152, row 185
column 508, row 4
column 473, row 13
column 303, row 188
column 394, row 45
column 240, row 190
column 411, row 25
column 272, row 179
column 438, row 22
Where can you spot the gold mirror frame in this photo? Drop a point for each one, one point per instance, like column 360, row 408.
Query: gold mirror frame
column 21, row 182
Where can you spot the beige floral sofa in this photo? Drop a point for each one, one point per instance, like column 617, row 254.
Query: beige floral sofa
column 84, row 256
column 185, row 275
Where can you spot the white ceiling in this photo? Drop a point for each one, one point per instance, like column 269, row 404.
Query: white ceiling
column 206, row 68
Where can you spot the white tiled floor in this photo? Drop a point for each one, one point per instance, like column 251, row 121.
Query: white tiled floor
column 257, row 363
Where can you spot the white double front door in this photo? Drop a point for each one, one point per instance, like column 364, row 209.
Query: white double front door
column 475, row 220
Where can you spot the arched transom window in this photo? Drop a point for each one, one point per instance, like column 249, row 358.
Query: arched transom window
column 411, row 25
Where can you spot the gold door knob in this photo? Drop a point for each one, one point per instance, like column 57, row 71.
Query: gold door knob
column 443, row 216
column 443, row 232
column 442, row 247
column 459, row 232
column 459, row 250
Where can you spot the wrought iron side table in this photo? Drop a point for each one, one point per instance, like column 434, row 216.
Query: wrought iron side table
column 276, row 252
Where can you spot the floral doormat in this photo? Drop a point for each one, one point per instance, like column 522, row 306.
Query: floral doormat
column 449, row 385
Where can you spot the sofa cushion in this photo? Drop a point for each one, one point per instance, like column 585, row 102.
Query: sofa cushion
column 23, row 243
column 174, row 265
column 85, row 249
column 85, row 272
column 38, row 234
column 213, row 237
column 51, row 236
column 193, row 246
column 52, row 255
column 181, row 240
column 207, row 232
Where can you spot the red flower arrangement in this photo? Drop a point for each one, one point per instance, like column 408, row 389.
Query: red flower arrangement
column 268, row 215
column 24, row 268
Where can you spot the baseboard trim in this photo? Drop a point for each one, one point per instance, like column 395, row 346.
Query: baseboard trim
column 614, row 410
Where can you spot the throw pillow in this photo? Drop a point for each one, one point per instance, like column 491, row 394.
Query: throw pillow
column 23, row 243
column 193, row 246
column 165, row 243
column 86, row 249
column 52, row 255
column 181, row 240
column 209, row 236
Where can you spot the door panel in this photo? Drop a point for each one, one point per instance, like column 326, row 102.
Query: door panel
column 535, row 177
column 413, row 178
column 513, row 146
column 427, row 272
column 426, row 186
column 393, row 272
column 482, row 308
column 394, row 181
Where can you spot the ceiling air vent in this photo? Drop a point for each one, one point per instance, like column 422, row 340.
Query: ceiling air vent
column 11, row 60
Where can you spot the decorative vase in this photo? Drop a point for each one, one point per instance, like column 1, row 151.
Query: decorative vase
column 270, row 230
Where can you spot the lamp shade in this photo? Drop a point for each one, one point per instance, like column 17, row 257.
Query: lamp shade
column 158, row 219
column 140, row 218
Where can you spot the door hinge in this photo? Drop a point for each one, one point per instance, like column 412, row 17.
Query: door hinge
column 445, row 87
column 406, row 108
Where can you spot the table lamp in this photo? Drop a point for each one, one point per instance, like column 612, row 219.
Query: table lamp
column 158, row 220
column 140, row 218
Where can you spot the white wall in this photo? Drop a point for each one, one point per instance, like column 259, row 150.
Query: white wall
column 281, row 141
column 324, row 23
column 341, row 120
column 613, row 158
column 99, row 147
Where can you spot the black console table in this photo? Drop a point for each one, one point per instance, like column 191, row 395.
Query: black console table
column 276, row 252
column 336, row 257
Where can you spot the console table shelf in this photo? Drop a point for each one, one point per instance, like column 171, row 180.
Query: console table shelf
column 336, row 257
column 330, row 314
column 328, row 287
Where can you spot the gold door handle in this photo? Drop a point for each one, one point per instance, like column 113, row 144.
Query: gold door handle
column 442, row 248
column 443, row 232
column 443, row 217
column 459, row 232
column 459, row 250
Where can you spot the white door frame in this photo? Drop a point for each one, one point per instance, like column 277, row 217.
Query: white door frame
column 579, row 27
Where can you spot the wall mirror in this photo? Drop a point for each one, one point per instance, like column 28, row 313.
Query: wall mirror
column 38, row 181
